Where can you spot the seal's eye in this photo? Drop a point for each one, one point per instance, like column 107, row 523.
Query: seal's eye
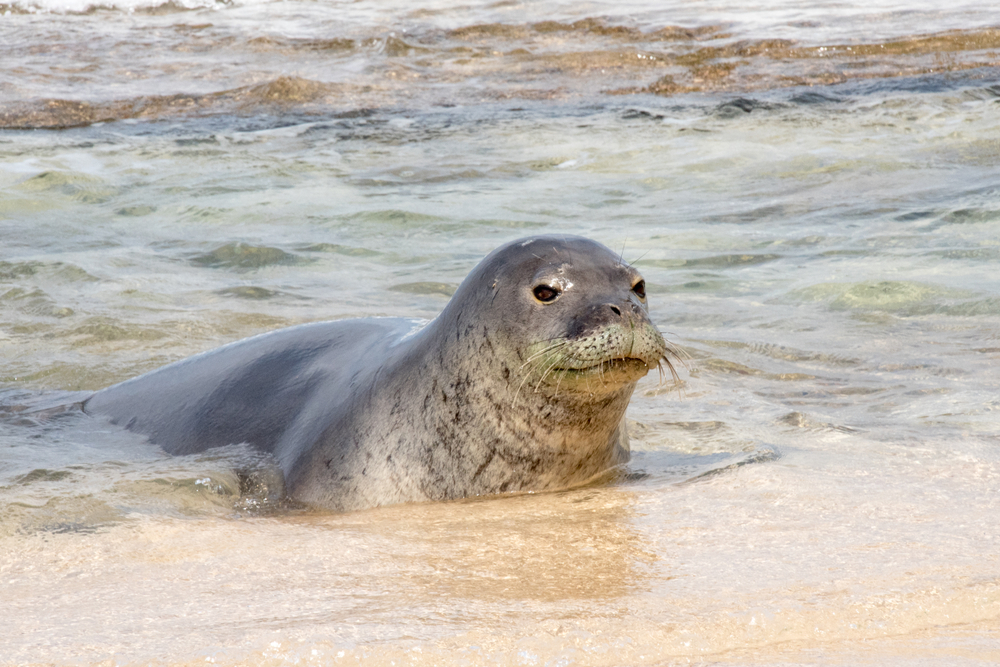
column 545, row 293
column 640, row 289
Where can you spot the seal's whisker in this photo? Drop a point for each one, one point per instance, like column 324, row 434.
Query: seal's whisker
column 560, row 337
column 678, row 383
column 632, row 263
column 547, row 371
column 527, row 376
column 544, row 351
column 517, row 393
column 679, row 353
column 670, row 367
column 560, row 340
column 562, row 374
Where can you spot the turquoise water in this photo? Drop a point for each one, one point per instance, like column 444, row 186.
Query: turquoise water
column 811, row 195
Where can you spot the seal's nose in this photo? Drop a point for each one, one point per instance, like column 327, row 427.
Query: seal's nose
column 623, row 313
column 625, row 310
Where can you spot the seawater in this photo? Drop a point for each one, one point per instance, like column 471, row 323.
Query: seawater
column 811, row 193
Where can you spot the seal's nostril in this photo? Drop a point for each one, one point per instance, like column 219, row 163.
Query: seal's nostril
column 616, row 310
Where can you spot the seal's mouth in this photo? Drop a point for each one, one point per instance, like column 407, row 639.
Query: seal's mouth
column 626, row 366
column 599, row 378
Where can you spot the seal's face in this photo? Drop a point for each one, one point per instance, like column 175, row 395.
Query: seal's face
column 577, row 316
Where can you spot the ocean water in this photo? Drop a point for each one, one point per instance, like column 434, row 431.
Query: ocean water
column 811, row 190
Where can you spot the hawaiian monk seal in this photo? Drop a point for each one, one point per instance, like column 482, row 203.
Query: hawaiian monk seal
column 520, row 384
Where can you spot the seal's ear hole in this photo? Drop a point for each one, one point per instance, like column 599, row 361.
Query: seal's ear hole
column 640, row 289
column 545, row 293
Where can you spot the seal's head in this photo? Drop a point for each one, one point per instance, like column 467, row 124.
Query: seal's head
column 570, row 315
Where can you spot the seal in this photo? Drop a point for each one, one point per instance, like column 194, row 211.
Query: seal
column 520, row 384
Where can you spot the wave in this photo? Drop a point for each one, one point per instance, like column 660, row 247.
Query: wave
column 127, row 6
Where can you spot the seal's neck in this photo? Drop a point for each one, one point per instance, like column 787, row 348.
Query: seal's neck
column 495, row 431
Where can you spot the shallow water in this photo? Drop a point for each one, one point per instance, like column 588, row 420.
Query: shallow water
column 811, row 195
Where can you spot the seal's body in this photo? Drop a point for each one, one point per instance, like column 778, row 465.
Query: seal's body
column 520, row 384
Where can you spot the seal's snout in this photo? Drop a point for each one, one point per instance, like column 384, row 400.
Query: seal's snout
column 595, row 318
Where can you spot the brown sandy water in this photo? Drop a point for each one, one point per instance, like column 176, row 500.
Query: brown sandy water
column 811, row 194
